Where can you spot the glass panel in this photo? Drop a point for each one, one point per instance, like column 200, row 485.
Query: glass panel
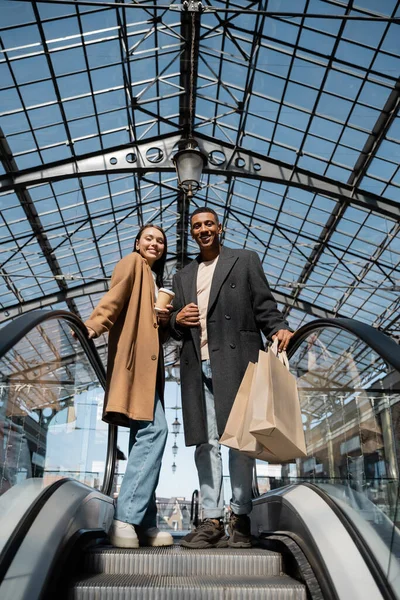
column 350, row 408
column 51, row 406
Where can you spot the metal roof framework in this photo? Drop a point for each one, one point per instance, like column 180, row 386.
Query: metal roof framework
column 297, row 113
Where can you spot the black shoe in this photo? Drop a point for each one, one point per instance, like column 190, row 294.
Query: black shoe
column 209, row 534
column 239, row 531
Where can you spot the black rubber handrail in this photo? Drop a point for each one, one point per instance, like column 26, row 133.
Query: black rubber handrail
column 372, row 337
column 18, row 328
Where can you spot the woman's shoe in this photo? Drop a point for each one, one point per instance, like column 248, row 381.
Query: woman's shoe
column 154, row 537
column 123, row 535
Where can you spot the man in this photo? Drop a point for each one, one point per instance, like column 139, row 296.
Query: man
column 222, row 304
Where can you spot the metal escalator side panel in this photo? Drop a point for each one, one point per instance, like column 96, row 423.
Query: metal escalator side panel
column 73, row 507
column 299, row 511
column 375, row 543
column 19, row 507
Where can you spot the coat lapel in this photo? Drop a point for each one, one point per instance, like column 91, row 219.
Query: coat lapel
column 189, row 286
column 189, row 282
column 224, row 265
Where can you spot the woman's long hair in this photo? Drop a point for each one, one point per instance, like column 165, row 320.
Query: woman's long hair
column 158, row 267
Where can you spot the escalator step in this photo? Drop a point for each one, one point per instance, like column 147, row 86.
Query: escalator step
column 156, row 587
column 179, row 561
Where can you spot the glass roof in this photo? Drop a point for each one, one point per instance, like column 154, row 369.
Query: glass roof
column 316, row 90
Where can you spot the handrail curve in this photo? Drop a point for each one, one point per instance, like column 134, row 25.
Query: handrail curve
column 18, row 328
column 387, row 348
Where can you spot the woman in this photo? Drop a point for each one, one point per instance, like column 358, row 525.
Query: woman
column 135, row 383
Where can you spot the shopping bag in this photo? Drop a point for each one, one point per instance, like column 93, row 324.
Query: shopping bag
column 237, row 434
column 276, row 416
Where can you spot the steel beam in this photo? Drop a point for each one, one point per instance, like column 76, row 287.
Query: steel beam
column 237, row 162
column 372, row 144
column 190, row 5
column 31, row 214
column 50, row 299
column 190, row 32
column 101, row 286
column 377, row 135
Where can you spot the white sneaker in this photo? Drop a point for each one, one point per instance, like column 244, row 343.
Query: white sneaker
column 123, row 535
column 154, row 537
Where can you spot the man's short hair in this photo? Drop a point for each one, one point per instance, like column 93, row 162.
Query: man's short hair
column 204, row 209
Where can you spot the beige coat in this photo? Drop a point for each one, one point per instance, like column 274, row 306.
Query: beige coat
column 127, row 312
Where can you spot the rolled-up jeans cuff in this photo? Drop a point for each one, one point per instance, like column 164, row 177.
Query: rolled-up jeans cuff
column 212, row 513
column 242, row 509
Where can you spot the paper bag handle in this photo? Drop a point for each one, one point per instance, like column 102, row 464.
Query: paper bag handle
column 282, row 356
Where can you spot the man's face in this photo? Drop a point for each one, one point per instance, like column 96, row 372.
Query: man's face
column 205, row 230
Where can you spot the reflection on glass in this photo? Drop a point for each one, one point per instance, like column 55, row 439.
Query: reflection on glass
column 347, row 393
column 351, row 415
column 51, row 405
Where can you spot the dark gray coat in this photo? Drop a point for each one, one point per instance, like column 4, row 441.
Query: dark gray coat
column 240, row 306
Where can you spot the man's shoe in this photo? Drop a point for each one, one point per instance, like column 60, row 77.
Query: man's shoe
column 123, row 535
column 239, row 531
column 154, row 537
column 209, row 534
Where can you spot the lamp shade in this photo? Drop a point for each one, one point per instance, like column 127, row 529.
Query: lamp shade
column 176, row 426
column 189, row 164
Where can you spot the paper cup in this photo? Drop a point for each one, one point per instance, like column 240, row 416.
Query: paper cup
column 164, row 297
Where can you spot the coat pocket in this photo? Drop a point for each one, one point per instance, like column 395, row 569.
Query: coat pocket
column 131, row 356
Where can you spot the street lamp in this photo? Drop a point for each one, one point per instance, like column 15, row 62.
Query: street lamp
column 173, row 467
column 189, row 164
column 176, row 426
column 174, row 449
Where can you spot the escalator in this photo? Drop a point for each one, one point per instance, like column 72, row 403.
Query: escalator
column 325, row 528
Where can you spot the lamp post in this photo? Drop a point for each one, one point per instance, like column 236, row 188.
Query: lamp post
column 176, row 426
column 174, row 449
column 189, row 163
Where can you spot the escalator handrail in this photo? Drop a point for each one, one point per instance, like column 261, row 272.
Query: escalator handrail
column 18, row 328
column 366, row 552
column 13, row 543
column 375, row 339
column 383, row 345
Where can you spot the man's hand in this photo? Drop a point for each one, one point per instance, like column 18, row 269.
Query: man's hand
column 283, row 336
column 164, row 315
column 189, row 316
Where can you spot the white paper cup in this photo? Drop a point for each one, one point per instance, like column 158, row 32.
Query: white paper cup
column 164, row 297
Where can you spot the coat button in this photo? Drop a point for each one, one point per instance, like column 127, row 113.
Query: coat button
column 233, row 346
column 227, row 317
column 233, row 285
column 153, row 357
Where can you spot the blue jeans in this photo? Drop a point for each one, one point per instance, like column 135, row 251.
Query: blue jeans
column 136, row 502
column 209, row 465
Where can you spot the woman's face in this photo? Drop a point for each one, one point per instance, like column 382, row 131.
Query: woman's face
column 151, row 245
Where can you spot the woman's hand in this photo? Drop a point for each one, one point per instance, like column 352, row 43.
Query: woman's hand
column 90, row 333
column 164, row 315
